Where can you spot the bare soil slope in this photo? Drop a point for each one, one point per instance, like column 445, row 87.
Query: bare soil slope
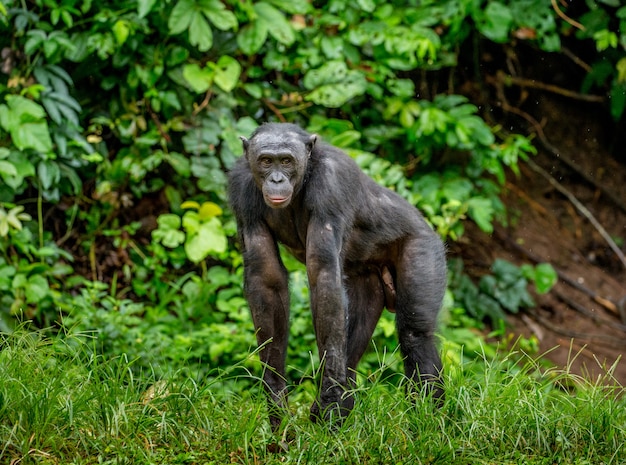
column 582, row 321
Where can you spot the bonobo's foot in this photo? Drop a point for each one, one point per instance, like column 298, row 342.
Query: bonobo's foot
column 332, row 413
column 429, row 387
column 277, row 413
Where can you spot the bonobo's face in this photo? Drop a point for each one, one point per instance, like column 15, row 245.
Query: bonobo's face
column 278, row 161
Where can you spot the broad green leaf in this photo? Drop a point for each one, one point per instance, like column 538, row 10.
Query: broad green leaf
column 34, row 136
column 336, row 95
column 191, row 222
column 209, row 210
column 199, row 79
column 50, row 47
column 496, row 22
column 345, row 138
column 230, row 136
column 7, row 169
column 334, row 84
column 61, row 107
column 506, row 271
column 169, row 237
column 24, row 108
column 404, row 88
column 217, row 13
column 48, row 173
column 144, row 7
column 24, row 120
column 254, row 90
column 330, row 72
column 477, row 130
column 366, row 5
column 168, row 232
column 47, row 251
column 621, row 68
column 618, row 99
column 181, row 16
column 407, row 119
column 190, row 204
column 13, row 218
column 481, row 211
column 545, row 277
column 36, row 289
column 23, row 167
column 332, row 46
column 200, row 33
column 457, row 189
column 252, row 37
column 202, row 139
column 121, row 30
column 227, row 72
column 168, row 221
column 36, row 37
column 4, row 223
column 210, row 238
column 215, row 181
column 292, row 6
column 278, row 26
column 246, row 125
column 605, row 39
column 432, row 120
column 180, row 163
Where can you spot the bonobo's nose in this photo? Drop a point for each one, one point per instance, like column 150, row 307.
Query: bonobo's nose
column 277, row 178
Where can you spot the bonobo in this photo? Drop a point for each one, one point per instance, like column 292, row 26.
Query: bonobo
column 364, row 247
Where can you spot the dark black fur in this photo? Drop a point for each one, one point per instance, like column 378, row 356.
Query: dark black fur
column 364, row 248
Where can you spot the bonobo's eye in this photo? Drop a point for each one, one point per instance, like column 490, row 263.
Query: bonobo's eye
column 285, row 161
column 265, row 162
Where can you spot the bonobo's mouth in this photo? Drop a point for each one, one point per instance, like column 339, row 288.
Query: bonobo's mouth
column 277, row 201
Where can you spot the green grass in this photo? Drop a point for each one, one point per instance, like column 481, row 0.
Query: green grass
column 60, row 405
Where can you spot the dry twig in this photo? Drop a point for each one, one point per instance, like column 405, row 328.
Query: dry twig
column 566, row 18
column 275, row 110
column 522, row 82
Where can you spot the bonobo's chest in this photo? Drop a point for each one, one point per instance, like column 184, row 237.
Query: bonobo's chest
column 289, row 229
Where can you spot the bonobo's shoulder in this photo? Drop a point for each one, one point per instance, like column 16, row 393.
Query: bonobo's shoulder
column 239, row 172
column 333, row 169
column 331, row 157
column 241, row 187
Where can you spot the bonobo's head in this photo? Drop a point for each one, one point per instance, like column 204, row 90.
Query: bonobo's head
column 278, row 155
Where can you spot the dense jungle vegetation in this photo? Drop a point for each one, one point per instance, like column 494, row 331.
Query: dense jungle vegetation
column 119, row 121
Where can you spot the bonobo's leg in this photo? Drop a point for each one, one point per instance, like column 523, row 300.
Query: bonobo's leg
column 365, row 304
column 328, row 305
column 266, row 286
column 421, row 283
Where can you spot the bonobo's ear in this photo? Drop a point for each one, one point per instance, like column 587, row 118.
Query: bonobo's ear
column 311, row 143
column 245, row 144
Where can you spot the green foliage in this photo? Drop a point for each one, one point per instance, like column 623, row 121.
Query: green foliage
column 203, row 234
column 505, row 290
column 605, row 24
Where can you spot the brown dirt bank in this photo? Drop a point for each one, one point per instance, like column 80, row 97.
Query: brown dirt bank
column 582, row 321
